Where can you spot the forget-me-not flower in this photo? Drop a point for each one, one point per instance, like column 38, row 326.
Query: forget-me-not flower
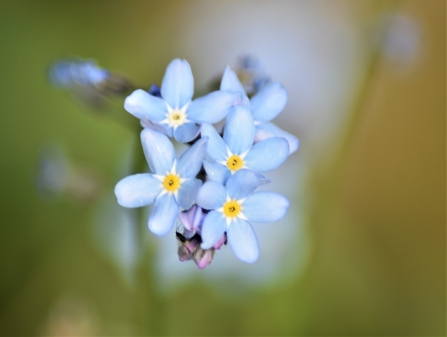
column 171, row 187
column 174, row 110
column 233, row 208
column 87, row 81
column 264, row 105
column 236, row 151
column 252, row 74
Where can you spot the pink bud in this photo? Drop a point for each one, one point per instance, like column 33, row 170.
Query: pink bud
column 203, row 257
column 187, row 247
column 222, row 241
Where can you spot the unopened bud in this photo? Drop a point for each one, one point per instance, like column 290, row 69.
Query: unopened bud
column 203, row 257
column 222, row 241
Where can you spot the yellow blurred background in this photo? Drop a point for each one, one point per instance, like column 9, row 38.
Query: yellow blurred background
column 362, row 250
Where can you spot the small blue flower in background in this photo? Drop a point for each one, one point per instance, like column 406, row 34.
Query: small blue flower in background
column 88, row 82
column 73, row 72
column 233, row 208
column 236, row 150
column 172, row 186
column 174, row 110
column 252, row 74
column 264, row 105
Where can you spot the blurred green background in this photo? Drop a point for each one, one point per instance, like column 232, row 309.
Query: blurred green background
column 367, row 186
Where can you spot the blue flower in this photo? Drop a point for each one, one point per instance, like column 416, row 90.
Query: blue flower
column 233, row 208
column 174, row 110
column 171, row 187
column 88, row 82
column 252, row 74
column 265, row 105
column 236, row 150
column 77, row 72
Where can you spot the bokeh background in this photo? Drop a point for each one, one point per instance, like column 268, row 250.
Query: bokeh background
column 362, row 250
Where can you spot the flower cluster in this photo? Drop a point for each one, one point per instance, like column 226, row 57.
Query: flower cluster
column 210, row 190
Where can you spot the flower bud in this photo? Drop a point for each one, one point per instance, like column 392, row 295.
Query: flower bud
column 203, row 257
column 222, row 241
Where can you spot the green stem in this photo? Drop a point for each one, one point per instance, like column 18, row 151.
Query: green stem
column 149, row 305
column 361, row 101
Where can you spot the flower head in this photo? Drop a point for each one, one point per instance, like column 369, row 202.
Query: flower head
column 171, row 187
column 265, row 105
column 233, row 208
column 174, row 110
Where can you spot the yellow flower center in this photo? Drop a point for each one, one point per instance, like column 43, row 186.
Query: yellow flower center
column 172, row 182
column 231, row 208
column 235, row 163
column 176, row 117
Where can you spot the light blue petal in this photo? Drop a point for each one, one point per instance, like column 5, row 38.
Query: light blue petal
column 186, row 132
column 265, row 207
column 239, row 132
column 190, row 162
column 211, row 195
column 210, row 108
column 159, row 151
column 188, row 193
column 137, row 190
column 269, row 102
column 177, row 86
column 169, row 130
column 163, row 128
column 262, row 179
column 164, row 214
column 216, row 148
column 216, row 172
column 262, row 134
column 242, row 183
column 213, row 228
column 230, row 82
column 294, row 143
column 240, row 99
column 267, row 155
column 242, row 240
column 142, row 105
